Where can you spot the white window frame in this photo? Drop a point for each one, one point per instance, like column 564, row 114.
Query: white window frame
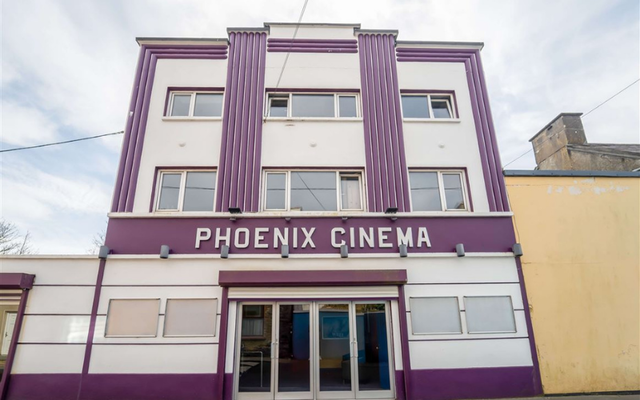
column 336, row 105
column 338, row 173
column 192, row 104
column 183, row 186
column 449, row 100
column 443, row 199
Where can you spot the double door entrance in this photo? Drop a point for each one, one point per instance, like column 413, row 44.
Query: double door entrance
column 313, row 350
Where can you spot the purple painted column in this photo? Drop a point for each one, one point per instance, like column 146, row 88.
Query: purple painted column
column 241, row 146
column 387, row 176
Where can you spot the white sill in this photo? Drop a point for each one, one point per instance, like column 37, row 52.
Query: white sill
column 312, row 119
column 192, row 118
column 307, row 214
column 429, row 120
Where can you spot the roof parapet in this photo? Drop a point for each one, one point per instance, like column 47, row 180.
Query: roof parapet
column 440, row 44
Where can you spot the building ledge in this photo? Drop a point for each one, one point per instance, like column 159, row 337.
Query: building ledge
column 226, row 215
column 611, row 174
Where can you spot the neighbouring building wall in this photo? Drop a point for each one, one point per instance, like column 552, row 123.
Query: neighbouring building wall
column 581, row 241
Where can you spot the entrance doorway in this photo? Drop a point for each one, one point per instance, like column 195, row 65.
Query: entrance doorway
column 313, row 350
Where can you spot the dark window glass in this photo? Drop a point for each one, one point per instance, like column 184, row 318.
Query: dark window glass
column 278, row 107
column 453, row 191
column 313, row 191
column 347, row 106
column 415, row 107
column 199, row 191
column 181, row 103
column 313, row 105
column 425, row 194
column 208, row 105
column 276, row 191
column 169, row 192
column 440, row 107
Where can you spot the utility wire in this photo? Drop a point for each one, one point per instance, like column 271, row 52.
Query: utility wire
column 64, row 142
column 582, row 117
column 286, row 59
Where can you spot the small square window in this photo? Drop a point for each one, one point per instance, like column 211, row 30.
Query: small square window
column 426, row 106
column 347, row 106
column 415, row 107
column 132, row 317
column 489, row 314
column 435, row 315
column 181, row 104
column 190, row 317
column 278, row 107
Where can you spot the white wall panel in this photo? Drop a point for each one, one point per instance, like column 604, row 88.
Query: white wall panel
column 507, row 289
column 55, row 270
column 311, row 32
column 397, row 340
column 161, row 292
column 55, row 329
column 231, row 337
column 60, row 300
column 154, row 359
column 314, row 70
column 470, row 353
column 98, row 335
column 41, row 358
column 463, row 270
column 173, row 271
column 313, row 292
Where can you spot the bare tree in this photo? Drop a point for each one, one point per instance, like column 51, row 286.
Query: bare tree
column 97, row 241
column 11, row 241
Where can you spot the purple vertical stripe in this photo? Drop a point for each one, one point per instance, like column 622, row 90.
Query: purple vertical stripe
column 368, row 142
column 222, row 347
column 94, row 317
column 404, row 339
column 229, row 98
column 257, row 147
column 11, row 354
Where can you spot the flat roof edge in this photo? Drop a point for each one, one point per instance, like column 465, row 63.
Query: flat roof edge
column 146, row 40
column 561, row 173
column 474, row 45
column 329, row 25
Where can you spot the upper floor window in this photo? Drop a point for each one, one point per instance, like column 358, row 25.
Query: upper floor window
column 423, row 106
column 313, row 191
column 437, row 191
column 186, row 191
column 320, row 105
column 195, row 104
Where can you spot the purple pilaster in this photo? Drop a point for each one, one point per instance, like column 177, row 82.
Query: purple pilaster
column 387, row 176
column 241, row 146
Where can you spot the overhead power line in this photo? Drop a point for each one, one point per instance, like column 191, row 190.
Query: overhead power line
column 63, row 142
column 582, row 117
column 286, row 59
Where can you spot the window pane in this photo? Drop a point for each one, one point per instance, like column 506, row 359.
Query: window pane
column 489, row 314
column 137, row 317
column 435, row 315
column 347, row 106
column 425, row 195
column 440, row 107
column 199, row 191
column 196, row 317
column 181, row 103
column 169, row 192
column 453, row 191
column 313, row 105
column 276, row 191
column 415, row 107
column 350, row 192
column 313, row 191
column 208, row 105
column 278, row 107
column 253, row 327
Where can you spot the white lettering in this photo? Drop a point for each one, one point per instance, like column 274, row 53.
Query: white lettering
column 405, row 237
column 279, row 237
column 219, row 238
column 334, row 243
column 202, row 234
column 352, row 237
column 295, row 238
column 423, row 237
column 307, row 238
column 259, row 238
column 245, row 243
column 366, row 238
column 382, row 237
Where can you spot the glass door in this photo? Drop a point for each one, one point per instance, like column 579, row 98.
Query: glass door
column 293, row 356
column 256, row 351
column 335, row 350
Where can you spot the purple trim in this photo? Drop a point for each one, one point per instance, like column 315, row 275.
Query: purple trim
column 404, row 340
column 384, row 138
column 13, row 280
column 466, row 178
column 537, row 379
column 306, row 299
column 92, row 322
column 241, row 146
column 312, row 46
column 222, row 342
column 228, row 386
column 44, row 386
column 400, row 389
column 8, row 364
column 312, row 278
column 311, row 90
column 472, row 383
column 300, row 50
column 273, row 41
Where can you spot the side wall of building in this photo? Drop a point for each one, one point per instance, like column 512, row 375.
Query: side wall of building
column 581, row 241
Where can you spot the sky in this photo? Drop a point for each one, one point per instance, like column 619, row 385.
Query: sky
column 68, row 66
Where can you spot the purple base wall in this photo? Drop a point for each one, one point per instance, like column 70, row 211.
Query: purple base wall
column 473, row 383
column 113, row 386
column 400, row 394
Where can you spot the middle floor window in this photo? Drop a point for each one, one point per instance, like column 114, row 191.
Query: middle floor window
column 186, row 190
column 312, row 105
column 313, row 191
column 437, row 191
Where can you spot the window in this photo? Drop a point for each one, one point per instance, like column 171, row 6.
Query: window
column 437, row 190
column 489, row 314
column 424, row 106
column 195, row 104
column 190, row 317
column 313, row 191
column 133, row 317
column 252, row 321
column 186, row 191
column 330, row 105
column 435, row 315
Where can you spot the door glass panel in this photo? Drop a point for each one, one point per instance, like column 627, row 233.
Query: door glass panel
column 255, row 348
column 333, row 344
column 294, row 358
column 373, row 349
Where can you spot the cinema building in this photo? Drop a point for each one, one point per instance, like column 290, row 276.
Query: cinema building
column 313, row 218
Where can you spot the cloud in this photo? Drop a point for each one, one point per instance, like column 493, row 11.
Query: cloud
column 25, row 125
